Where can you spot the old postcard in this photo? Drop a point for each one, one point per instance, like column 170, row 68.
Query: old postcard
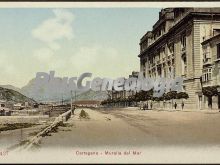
column 110, row 82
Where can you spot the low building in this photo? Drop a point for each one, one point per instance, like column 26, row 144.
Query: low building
column 6, row 104
column 18, row 106
column 87, row 103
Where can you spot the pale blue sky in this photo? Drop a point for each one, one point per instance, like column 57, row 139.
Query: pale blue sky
column 71, row 41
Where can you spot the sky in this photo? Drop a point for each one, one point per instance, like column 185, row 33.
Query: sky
column 103, row 41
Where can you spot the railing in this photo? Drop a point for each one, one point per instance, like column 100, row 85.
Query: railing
column 65, row 116
column 207, row 61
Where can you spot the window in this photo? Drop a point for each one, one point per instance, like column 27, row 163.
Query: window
column 184, row 64
column 216, row 32
column 206, row 54
column 183, row 41
column 171, row 48
column 184, row 88
column 164, row 73
column 159, row 71
column 159, row 33
column 163, row 52
column 163, row 29
column 218, row 50
column 158, row 55
column 207, row 74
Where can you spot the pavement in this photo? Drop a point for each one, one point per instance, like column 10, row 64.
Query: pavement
column 132, row 127
column 151, row 136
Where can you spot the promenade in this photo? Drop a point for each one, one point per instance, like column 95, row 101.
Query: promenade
column 133, row 127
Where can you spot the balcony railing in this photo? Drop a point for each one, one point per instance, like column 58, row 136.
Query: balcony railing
column 217, row 60
column 207, row 61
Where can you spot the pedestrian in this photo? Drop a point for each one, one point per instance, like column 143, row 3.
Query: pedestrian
column 164, row 104
column 151, row 105
column 182, row 105
column 175, row 105
column 147, row 106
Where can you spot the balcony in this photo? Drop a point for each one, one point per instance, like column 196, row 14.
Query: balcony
column 217, row 60
column 183, row 75
column 207, row 61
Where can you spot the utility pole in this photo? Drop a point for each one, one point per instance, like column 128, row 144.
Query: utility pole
column 71, row 104
column 71, row 93
column 62, row 99
column 21, row 135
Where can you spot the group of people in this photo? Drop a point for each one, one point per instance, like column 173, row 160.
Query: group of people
column 145, row 107
column 182, row 105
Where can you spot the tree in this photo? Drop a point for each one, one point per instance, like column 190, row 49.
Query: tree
column 170, row 95
column 210, row 91
column 182, row 95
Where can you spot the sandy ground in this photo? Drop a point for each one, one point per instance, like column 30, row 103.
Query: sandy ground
column 130, row 127
column 158, row 137
column 100, row 130
column 12, row 138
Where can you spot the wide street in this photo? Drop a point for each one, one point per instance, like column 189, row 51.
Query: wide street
column 132, row 127
column 130, row 135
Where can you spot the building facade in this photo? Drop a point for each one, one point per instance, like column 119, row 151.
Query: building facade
column 210, row 72
column 176, row 45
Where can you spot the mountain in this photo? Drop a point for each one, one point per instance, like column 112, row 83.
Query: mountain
column 11, row 87
column 14, row 96
column 46, row 94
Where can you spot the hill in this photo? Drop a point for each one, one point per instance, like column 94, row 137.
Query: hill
column 14, row 96
column 92, row 95
column 11, row 87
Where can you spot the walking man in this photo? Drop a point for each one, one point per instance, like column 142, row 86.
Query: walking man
column 182, row 105
column 175, row 105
